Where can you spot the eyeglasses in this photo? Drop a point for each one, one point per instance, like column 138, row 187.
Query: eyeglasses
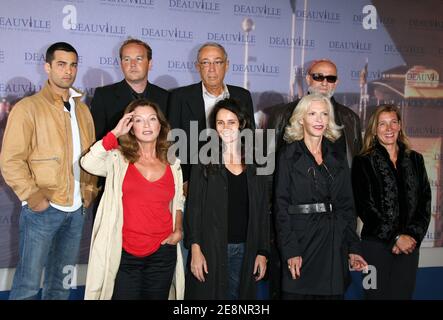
column 207, row 63
column 320, row 77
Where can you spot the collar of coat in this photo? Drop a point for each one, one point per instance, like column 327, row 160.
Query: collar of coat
column 251, row 170
column 331, row 153
column 380, row 149
column 56, row 99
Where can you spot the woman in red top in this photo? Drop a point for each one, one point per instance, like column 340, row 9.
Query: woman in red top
column 149, row 238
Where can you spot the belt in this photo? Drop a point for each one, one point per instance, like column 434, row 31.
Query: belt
column 310, row 208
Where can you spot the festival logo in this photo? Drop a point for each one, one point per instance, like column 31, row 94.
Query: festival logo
column 265, row 11
column 25, row 24
column 79, row 27
column 280, row 41
column 109, row 62
column 181, row 66
column 39, row 58
column 371, row 75
column 357, row 19
column 196, row 6
column 143, row 4
column 167, row 34
column 318, row 16
column 18, row 89
column 355, row 46
column 404, row 50
column 256, row 69
column 426, row 24
column 232, row 38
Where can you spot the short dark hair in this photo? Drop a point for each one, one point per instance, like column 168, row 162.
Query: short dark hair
column 63, row 46
column 140, row 43
column 233, row 106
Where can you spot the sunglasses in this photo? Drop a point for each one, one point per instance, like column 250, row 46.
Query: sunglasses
column 320, row 77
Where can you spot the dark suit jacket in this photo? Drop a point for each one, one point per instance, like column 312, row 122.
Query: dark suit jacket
column 186, row 104
column 110, row 101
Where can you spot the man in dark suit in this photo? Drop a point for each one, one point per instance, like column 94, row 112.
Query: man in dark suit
column 109, row 102
column 195, row 102
column 321, row 77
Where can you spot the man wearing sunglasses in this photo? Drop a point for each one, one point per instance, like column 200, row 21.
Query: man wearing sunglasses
column 321, row 77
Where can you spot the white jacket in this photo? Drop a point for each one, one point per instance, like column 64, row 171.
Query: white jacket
column 106, row 240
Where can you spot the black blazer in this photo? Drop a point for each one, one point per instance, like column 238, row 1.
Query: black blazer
column 186, row 104
column 110, row 101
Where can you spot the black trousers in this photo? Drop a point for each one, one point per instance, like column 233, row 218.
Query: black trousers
column 396, row 274
column 296, row 296
column 146, row 278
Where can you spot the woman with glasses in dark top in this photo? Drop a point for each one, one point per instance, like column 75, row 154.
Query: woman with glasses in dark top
column 314, row 207
column 393, row 199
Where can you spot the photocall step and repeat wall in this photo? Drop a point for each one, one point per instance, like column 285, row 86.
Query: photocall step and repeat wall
column 386, row 51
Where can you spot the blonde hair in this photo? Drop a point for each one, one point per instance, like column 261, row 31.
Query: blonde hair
column 294, row 130
column 371, row 130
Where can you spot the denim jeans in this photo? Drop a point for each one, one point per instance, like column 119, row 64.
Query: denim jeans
column 51, row 240
column 236, row 252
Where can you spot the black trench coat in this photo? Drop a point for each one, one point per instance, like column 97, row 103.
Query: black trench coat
column 206, row 223
column 323, row 240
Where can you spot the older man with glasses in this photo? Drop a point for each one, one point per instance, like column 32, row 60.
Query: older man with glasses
column 195, row 102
